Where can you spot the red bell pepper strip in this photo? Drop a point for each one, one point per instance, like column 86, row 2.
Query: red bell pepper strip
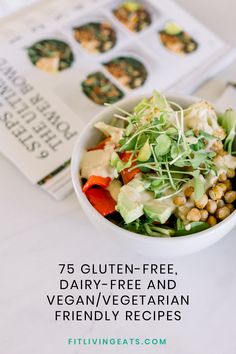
column 96, row 181
column 101, row 145
column 126, row 174
column 101, row 200
column 125, row 156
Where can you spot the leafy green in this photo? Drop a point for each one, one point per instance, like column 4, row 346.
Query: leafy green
column 196, row 226
column 198, row 159
column 114, row 159
column 206, row 135
column 160, row 101
column 116, row 162
column 163, row 230
column 199, row 185
column 143, row 226
column 140, row 106
column 156, row 137
column 145, row 152
column 228, row 123
column 163, row 144
column 179, row 225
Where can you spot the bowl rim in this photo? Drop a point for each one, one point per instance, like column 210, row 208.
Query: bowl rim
column 75, row 174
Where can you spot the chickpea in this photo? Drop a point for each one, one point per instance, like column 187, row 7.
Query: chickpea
column 222, row 177
column 211, row 220
column 204, row 214
column 217, row 146
column 231, row 207
column 194, row 215
column 211, row 206
column 222, row 213
column 222, row 186
column 230, row 173
column 228, row 184
column 188, row 191
column 182, row 212
column 230, row 197
column 222, row 153
column 179, row 200
column 216, row 193
column 201, row 203
column 220, row 203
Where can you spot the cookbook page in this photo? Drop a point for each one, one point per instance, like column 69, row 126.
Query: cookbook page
column 140, row 258
column 78, row 61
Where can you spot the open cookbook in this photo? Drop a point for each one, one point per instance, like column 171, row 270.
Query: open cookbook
column 61, row 62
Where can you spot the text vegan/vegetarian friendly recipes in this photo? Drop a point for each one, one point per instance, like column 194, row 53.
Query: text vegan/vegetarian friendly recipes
column 163, row 170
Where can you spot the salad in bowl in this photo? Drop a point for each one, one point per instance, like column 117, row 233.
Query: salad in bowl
column 159, row 168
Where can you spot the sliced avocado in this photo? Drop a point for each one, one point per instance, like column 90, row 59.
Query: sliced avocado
column 145, row 152
column 129, row 208
column 173, row 28
column 131, row 199
column 158, row 210
column 114, row 188
column 137, row 184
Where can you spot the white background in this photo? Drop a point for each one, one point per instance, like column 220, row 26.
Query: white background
column 37, row 233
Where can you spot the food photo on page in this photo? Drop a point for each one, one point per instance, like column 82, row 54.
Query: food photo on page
column 118, row 177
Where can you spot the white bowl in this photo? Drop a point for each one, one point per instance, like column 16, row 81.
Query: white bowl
column 152, row 246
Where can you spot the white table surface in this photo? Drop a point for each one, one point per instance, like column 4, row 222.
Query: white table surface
column 9, row 6
column 37, row 233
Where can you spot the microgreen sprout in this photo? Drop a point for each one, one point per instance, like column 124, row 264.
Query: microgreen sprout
column 164, row 162
column 156, row 137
